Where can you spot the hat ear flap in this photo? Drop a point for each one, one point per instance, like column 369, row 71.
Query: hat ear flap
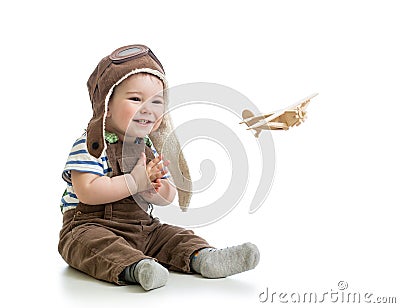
column 95, row 137
column 166, row 142
column 95, row 129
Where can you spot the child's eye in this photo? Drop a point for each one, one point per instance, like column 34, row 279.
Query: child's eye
column 158, row 102
column 135, row 99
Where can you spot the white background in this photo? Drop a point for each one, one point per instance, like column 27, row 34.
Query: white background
column 332, row 213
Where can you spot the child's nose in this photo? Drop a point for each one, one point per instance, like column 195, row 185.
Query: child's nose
column 145, row 108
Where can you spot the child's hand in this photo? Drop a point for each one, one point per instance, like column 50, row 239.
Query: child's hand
column 155, row 169
column 157, row 184
column 148, row 176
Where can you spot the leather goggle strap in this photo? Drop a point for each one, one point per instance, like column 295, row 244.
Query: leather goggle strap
column 130, row 52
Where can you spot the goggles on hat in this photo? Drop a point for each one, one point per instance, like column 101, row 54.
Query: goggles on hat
column 131, row 52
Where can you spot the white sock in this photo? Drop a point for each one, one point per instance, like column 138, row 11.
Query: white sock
column 212, row 263
column 148, row 273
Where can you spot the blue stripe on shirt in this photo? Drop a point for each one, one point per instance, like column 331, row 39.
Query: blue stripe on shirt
column 77, row 170
column 72, row 195
column 79, row 142
column 78, row 152
column 84, row 162
column 65, row 203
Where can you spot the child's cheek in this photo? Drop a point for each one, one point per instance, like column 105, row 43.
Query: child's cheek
column 127, row 113
column 159, row 114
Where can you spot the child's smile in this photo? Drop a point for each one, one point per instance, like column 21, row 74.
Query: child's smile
column 143, row 122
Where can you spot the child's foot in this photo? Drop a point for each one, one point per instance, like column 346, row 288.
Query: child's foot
column 148, row 273
column 212, row 263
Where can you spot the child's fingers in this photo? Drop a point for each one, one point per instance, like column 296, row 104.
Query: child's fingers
column 160, row 167
column 151, row 167
column 156, row 176
column 157, row 185
column 154, row 161
column 157, row 169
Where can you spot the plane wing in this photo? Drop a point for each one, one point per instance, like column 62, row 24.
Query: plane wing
column 249, row 118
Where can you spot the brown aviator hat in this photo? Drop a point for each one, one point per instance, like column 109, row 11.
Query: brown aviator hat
column 110, row 72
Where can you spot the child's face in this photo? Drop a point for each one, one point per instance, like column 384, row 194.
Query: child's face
column 138, row 98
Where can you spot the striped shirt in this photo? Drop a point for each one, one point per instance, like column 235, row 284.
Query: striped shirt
column 80, row 160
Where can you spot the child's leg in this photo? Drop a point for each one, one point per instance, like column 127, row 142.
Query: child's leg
column 213, row 263
column 108, row 250
column 181, row 250
column 97, row 251
column 173, row 246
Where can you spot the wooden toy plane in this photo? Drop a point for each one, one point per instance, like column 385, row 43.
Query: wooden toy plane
column 283, row 119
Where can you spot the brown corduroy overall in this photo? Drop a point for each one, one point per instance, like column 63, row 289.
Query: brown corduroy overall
column 102, row 240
